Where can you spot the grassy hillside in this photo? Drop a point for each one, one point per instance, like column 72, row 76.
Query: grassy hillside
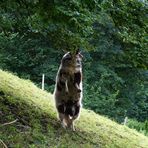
column 36, row 125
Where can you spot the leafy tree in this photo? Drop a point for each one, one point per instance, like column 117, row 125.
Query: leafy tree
column 66, row 24
column 35, row 33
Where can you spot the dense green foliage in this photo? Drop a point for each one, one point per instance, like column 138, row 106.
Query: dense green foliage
column 111, row 35
column 142, row 127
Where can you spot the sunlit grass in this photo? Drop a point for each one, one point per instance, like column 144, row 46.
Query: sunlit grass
column 37, row 124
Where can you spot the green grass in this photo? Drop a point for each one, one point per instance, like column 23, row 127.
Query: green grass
column 38, row 127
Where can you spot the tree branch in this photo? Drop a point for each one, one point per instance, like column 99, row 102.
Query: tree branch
column 8, row 123
column 5, row 146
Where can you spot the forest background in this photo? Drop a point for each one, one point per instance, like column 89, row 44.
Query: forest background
column 112, row 35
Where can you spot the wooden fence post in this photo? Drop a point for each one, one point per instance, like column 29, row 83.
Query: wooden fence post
column 43, row 78
column 125, row 121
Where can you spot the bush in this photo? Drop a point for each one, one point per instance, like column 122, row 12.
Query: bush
column 141, row 127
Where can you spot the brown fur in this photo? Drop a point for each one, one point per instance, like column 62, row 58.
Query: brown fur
column 68, row 89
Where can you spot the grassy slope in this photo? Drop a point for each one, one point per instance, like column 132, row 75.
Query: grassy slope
column 37, row 125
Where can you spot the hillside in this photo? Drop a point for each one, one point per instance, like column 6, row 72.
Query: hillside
column 36, row 126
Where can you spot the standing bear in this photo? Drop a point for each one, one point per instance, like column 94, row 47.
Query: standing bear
column 68, row 89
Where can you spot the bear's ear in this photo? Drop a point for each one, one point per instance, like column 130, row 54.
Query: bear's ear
column 78, row 51
column 80, row 55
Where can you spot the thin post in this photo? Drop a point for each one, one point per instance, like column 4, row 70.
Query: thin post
column 125, row 121
column 43, row 78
